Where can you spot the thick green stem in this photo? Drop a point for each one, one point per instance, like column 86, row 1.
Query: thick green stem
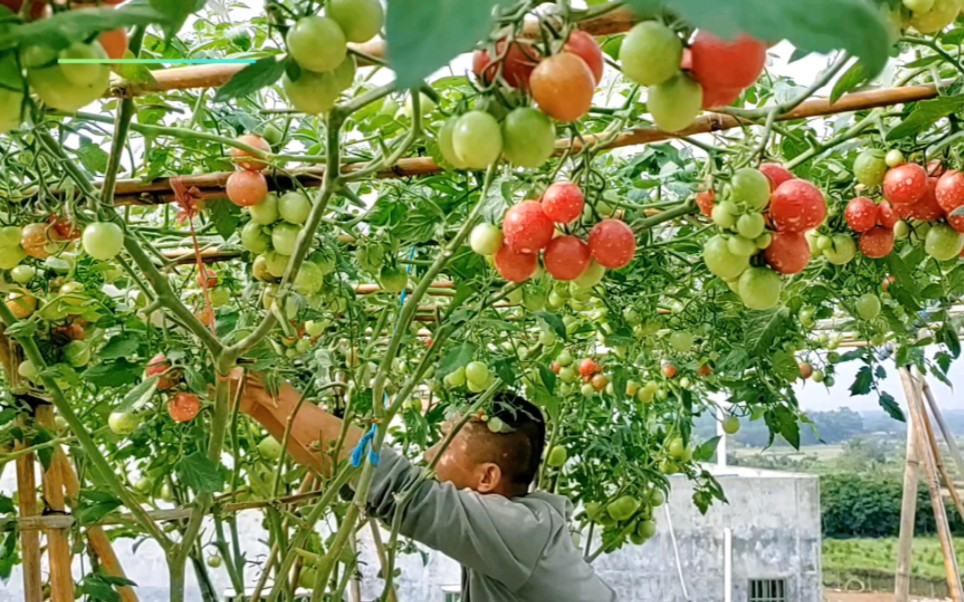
column 121, row 126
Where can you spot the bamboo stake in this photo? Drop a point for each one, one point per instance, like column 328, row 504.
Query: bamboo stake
column 908, row 513
column 912, row 392
column 211, row 186
column 29, row 540
column 936, row 452
column 58, row 542
column 96, row 537
column 213, row 76
column 945, row 431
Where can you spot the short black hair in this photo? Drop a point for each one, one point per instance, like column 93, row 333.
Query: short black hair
column 518, row 448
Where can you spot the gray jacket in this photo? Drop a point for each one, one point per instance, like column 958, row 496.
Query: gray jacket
column 517, row 550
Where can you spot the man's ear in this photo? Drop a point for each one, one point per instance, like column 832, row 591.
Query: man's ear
column 490, row 478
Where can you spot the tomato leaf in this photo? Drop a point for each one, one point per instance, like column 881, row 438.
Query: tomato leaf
column 704, row 452
column 251, row 78
column 455, row 358
column 201, row 474
column 66, row 27
column 852, row 79
column 121, row 346
column 92, row 156
column 925, row 114
column 863, row 381
column 890, row 405
column 948, row 335
column 548, row 378
column 95, row 505
column 554, row 322
column 139, row 395
column 113, row 374
column 769, row 324
column 424, row 35
column 225, row 216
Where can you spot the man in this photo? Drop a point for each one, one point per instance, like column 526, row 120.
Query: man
column 514, row 546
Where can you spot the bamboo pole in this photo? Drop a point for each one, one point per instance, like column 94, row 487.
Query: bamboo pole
column 58, row 541
column 914, row 403
column 945, row 431
column 213, row 76
column 29, row 540
column 908, row 513
column 96, row 537
column 211, row 186
column 936, row 452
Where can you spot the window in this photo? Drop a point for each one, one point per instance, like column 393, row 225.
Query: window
column 768, row 590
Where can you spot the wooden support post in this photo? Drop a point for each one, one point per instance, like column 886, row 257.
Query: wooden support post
column 913, row 393
column 29, row 540
column 931, row 440
column 96, row 537
column 945, row 431
column 58, row 541
column 908, row 512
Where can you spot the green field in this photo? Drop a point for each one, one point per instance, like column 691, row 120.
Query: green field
column 881, row 555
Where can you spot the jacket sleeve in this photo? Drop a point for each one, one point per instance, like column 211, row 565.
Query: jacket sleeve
column 490, row 534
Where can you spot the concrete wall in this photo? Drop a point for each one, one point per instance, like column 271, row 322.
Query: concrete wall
column 774, row 517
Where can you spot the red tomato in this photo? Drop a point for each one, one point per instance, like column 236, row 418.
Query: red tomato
column 714, row 98
column 566, row 257
column 956, row 222
column 37, row 10
column 705, row 200
column 246, row 160
column 563, row 202
column 114, row 42
column 861, row 214
column 516, row 65
column 877, row 242
column 62, row 229
column 887, row 282
column 788, row 253
column 886, row 216
column 562, row 85
column 555, row 367
column 950, row 191
column 585, row 47
column 515, row 267
column 207, row 278
column 705, row 370
column 720, row 64
column 797, row 206
column 927, row 208
column 246, row 188
column 806, row 370
column 905, row 184
column 612, row 243
column 526, row 227
column 159, row 366
column 599, row 381
column 670, row 370
column 777, row 173
column 183, row 407
column 588, row 367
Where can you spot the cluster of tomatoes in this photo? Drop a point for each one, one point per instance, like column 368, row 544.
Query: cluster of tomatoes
column 529, row 228
column 923, row 200
column 928, row 16
column 681, row 81
column 182, row 406
column 319, row 46
column 764, row 221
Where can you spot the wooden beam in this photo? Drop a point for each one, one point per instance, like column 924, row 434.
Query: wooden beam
column 58, row 541
column 908, row 514
column 29, row 540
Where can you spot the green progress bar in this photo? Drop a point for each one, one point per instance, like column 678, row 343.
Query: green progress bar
column 160, row 61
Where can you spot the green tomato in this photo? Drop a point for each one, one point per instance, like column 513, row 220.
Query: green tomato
column 50, row 82
column 622, row 508
column 763, row 241
column 446, row 145
column 942, row 14
column 731, row 425
column 214, row 561
column 751, row 187
column 529, row 137
column 647, row 392
column 829, row 381
column 870, row 167
column 894, row 158
column 27, row 369
column 254, row 238
column 77, row 353
column 269, row 448
column 344, row 75
column 284, row 238
column 682, row 341
column 477, row 139
column 393, row 279
column 123, row 423
column 842, row 250
column 10, row 236
column 312, row 93
column 675, row 103
column 276, row 263
column 83, row 74
column 568, row 374
column 309, row 280
column 901, row 230
column 477, row 372
column 455, row 378
column 650, row 53
column 741, row 247
column 751, row 225
column 760, row 288
column 557, row 457
column 943, row 242
column 103, row 240
column 486, row 239
column 587, row 390
column 144, row 485
column 868, row 306
column 918, row 6
column 294, row 207
column 817, row 376
column 646, row 529
column 591, row 277
column 317, row 44
column 21, row 274
column 361, row 20
column 725, row 214
column 425, row 106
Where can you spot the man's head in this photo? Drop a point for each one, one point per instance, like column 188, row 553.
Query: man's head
column 504, row 462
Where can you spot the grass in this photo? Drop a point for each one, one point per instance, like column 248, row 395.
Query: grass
column 881, row 555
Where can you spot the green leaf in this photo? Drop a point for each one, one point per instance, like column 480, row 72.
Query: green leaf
column 252, row 78
column 424, row 35
column 548, row 378
column 769, row 325
column 92, row 156
column 139, row 395
column 925, row 114
column 554, row 322
column 201, row 474
column 852, row 79
column 456, row 358
column 121, row 346
column 704, row 452
column 948, row 335
column 889, row 404
column 21, row 329
column 66, row 27
column 863, row 382
column 135, row 73
column 6, row 505
column 225, row 215
column 113, row 374
column 93, row 507
column 176, row 12
column 813, row 25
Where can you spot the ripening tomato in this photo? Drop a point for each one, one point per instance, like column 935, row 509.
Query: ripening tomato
column 670, row 370
column 515, row 267
column 526, row 227
column 37, row 10
column 861, row 214
column 246, row 160
column 905, row 184
column 714, row 98
column 246, row 188
column 563, row 202
column 566, row 257
column 797, row 206
column 35, row 241
column 612, row 243
column 114, row 42
column 886, row 215
column 585, row 47
column 950, row 191
column 705, row 201
column 788, row 253
column 721, row 64
column 562, row 85
column 877, row 242
column 927, row 209
column 183, row 407
column 588, row 367
column 160, row 366
column 207, row 278
column 777, row 174
column 517, row 63
column 62, row 229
